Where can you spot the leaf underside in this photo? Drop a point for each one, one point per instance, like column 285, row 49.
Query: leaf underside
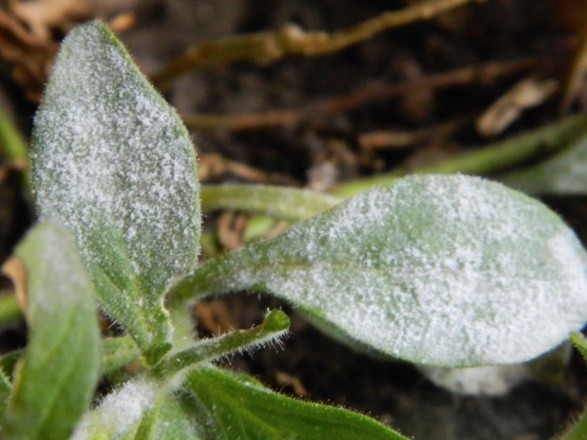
column 452, row 271
column 114, row 162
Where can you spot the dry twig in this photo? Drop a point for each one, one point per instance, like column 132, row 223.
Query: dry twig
column 267, row 47
column 400, row 139
column 525, row 94
column 484, row 73
column 30, row 55
column 213, row 166
column 575, row 81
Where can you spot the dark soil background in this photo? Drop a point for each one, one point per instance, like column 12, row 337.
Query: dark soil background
column 318, row 148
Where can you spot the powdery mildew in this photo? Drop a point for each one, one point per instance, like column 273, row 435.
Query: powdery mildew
column 112, row 160
column 119, row 411
column 441, row 270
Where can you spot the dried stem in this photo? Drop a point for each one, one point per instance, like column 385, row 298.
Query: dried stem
column 490, row 159
column 484, row 73
column 267, row 47
column 575, row 80
column 400, row 139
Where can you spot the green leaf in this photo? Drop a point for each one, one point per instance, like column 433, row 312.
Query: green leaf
column 114, row 162
column 452, row 271
column 117, row 352
column 214, row 404
column 5, row 390
column 55, row 380
column 141, row 409
column 565, row 173
column 271, row 330
column 237, row 406
column 580, row 343
column 170, row 419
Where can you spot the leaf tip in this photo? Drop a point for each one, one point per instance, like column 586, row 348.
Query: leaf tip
column 276, row 320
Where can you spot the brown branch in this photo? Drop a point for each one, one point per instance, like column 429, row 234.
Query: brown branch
column 267, row 47
column 575, row 81
column 484, row 73
column 400, row 139
column 213, row 166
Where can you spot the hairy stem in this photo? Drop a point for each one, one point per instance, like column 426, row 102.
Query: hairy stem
column 275, row 325
column 281, row 202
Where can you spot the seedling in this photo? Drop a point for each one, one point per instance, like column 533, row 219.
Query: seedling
column 449, row 271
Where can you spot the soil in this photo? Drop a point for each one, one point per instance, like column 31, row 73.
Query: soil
column 328, row 147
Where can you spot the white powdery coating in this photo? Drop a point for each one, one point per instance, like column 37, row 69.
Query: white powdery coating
column 120, row 410
column 441, row 270
column 112, row 161
column 493, row 380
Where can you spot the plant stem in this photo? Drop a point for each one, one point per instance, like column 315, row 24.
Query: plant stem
column 267, row 47
column 293, row 205
column 274, row 326
column 14, row 148
column 487, row 160
column 181, row 315
column 463, row 76
column 281, row 202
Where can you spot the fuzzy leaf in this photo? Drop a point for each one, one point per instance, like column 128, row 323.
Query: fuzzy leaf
column 114, row 162
column 121, row 412
column 215, row 404
column 140, row 409
column 55, row 380
column 237, row 406
column 452, row 271
column 170, row 419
